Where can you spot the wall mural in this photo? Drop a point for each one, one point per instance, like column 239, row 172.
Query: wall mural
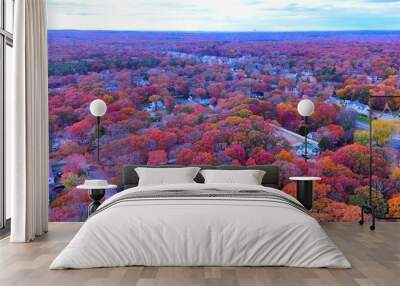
column 222, row 97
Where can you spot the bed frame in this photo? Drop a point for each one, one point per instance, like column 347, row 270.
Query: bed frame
column 271, row 178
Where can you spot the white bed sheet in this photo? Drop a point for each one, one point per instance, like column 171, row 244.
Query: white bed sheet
column 200, row 232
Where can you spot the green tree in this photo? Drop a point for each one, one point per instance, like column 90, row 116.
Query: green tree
column 324, row 144
column 360, row 198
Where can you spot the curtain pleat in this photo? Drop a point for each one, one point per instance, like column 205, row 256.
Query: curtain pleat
column 29, row 159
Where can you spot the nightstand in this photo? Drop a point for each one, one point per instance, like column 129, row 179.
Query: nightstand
column 96, row 190
column 305, row 190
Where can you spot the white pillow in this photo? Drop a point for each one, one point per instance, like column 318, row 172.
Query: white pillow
column 166, row 176
column 247, row 177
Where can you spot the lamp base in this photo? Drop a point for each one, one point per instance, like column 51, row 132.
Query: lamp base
column 96, row 196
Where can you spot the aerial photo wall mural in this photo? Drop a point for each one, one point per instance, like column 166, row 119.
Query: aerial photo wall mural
column 218, row 82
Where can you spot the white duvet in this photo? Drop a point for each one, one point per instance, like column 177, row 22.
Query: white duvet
column 206, row 231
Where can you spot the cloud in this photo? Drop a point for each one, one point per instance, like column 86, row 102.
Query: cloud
column 255, row 2
column 223, row 15
column 384, row 1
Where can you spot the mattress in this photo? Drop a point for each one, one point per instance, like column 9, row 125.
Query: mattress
column 201, row 225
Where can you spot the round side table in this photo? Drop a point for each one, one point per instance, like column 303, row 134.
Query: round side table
column 305, row 190
column 96, row 192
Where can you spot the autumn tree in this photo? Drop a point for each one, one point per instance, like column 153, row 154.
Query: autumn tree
column 323, row 115
column 288, row 116
column 157, row 157
column 382, row 131
column 70, row 180
column 347, row 118
column 70, row 147
column 184, row 157
column 361, row 198
column 203, row 158
column 394, row 206
column 334, row 133
column 355, row 157
column 285, row 156
column 236, row 152
column 361, row 137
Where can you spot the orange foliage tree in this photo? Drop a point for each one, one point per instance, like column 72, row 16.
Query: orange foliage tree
column 394, row 206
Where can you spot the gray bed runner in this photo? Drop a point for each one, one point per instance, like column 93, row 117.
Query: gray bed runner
column 206, row 194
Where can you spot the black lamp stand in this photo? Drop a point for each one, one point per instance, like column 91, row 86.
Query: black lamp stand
column 305, row 129
column 98, row 137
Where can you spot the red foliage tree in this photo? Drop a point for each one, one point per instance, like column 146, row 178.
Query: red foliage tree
column 157, row 157
column 323, row 115
column 82, row 128
column 263, row 157
column 334, row 133
column 203, row 158
column 185, row 157
column 236, row 152
column 162, row 139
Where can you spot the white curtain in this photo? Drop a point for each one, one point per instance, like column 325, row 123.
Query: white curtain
column 27, row 123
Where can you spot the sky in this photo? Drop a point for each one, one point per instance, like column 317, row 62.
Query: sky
column 224, row 15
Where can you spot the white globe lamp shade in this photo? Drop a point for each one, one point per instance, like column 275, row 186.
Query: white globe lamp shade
column 98, row 107
column 305, row 107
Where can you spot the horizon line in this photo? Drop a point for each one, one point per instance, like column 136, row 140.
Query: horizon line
column 229, row 31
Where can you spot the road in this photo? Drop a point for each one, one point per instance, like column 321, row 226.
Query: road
column 292, row 137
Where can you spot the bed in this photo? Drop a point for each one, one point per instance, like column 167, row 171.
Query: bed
column 199, row 224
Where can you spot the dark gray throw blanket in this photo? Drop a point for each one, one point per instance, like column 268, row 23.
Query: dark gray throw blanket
column 205, row 193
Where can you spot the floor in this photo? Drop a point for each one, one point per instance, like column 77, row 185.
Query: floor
column 375, row 257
